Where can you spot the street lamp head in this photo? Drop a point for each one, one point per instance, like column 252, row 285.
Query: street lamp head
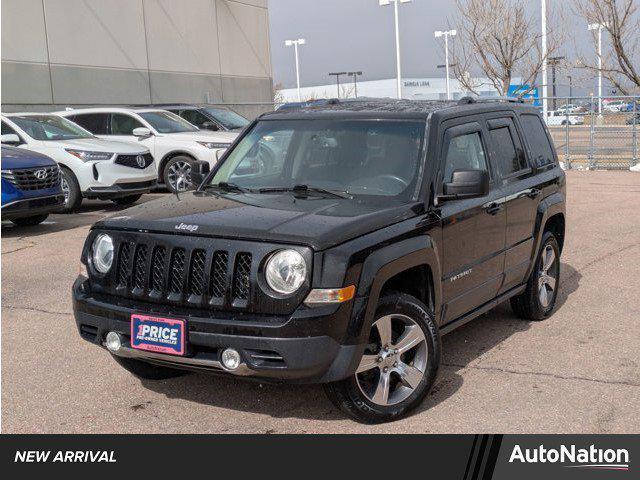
column 453, row 33
column 288, row 43
column 438, row 34
column 302, row 41
column 384, row 3
column 596, row 26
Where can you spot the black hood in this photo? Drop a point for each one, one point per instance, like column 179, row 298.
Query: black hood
column 317, row 222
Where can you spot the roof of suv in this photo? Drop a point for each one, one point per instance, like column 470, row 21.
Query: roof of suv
column 383, row 107
column 182, row 106
column 110, row 109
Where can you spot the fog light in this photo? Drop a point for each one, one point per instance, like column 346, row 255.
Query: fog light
column 230, row 359
column 114, row 342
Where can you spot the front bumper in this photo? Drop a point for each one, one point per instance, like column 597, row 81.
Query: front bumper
column 120, row 189
column 277, row 349
column 29, row 207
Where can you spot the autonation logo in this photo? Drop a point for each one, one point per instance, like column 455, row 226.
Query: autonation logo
column 573, row 457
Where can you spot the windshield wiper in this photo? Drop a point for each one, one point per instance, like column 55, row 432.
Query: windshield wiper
column 305, row 190
column 230, row 187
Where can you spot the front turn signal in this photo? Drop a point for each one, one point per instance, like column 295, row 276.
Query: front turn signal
column 323, row 296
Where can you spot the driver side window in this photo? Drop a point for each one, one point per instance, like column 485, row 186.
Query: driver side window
column 465, row 152
column 122, row 124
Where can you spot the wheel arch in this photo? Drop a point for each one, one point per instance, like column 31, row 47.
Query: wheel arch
column 410, row 266
column 550, row 215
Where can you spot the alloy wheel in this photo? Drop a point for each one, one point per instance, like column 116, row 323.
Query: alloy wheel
column 179, row 176
column 547, row 277
column 395, row 361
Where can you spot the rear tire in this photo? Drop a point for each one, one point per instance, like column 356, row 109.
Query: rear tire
column 539, row 298
column 147, row 371
column 392, row 381
column 71, row 190
column 30, row 221
column 127, row 201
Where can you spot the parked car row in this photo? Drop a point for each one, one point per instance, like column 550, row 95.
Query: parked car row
column 116, row 153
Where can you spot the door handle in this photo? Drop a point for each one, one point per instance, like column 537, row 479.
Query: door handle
column 533, row 193
column 494, row 208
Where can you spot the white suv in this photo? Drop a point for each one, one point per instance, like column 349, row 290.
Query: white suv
column 91, row 167
column 174, row 143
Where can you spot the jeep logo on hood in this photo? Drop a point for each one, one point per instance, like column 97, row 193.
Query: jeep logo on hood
column 184, row 226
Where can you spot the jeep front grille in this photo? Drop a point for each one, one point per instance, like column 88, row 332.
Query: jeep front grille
column 190, row 275
column 194, row 272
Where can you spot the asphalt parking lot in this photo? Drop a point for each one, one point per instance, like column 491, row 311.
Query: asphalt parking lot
column 577, row 372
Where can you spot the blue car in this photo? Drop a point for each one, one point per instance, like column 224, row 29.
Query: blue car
column 30, row 186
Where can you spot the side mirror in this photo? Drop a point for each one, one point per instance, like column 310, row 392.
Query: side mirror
column 209, row 126
column 11, row 139
column 466, row 184
column 141, row 132
column 199, row 171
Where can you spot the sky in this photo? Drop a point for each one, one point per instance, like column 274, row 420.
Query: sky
column 353, row 35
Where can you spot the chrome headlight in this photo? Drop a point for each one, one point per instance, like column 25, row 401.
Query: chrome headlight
column 286, row 271
column 87, row 156
column 213, row 145
column 102, row 253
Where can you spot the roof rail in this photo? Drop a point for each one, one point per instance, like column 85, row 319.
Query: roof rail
column 468, row 100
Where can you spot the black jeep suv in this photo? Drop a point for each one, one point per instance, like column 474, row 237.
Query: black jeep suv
column 370, row 229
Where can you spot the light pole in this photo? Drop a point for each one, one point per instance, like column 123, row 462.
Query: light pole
column 355, row 76
column 599, row 27
column 397, row 25
column 295, row 44
column 543, row 21
column 338, row 75
column 446, row 36
column 554, row 63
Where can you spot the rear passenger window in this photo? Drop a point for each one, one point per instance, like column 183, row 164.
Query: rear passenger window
column 96, row 123
column 122, row 124
column 510, row 157
column 541, row 149
column 464, row 153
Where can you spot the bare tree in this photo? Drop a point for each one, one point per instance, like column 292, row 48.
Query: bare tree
column 499, row 40
column 621, row 21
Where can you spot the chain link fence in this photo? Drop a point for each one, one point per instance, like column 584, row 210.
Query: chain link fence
column 595, row 133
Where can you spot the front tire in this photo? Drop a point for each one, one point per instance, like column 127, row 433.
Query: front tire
column 127, row 201
column 177, row 174
column 147, row 371
column 399, row 365
column 539, row 298
column 30, row 221
column 71, row 190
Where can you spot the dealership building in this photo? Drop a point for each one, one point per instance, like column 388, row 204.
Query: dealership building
column 434, row 88
column 59, row 53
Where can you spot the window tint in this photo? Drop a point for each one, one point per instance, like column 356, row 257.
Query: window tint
column 195, row 117
column 509, row 155
column 167, row 122
column 122, row 124
column 541, row 149
column 96, row 123
column 363, row 157
column 50, row 127
column 464, row 153
column 6, row 129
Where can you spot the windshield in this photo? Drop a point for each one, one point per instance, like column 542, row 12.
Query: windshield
column 50, row 128
column 360, row 157
column 229, row 119
column 167, row 122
